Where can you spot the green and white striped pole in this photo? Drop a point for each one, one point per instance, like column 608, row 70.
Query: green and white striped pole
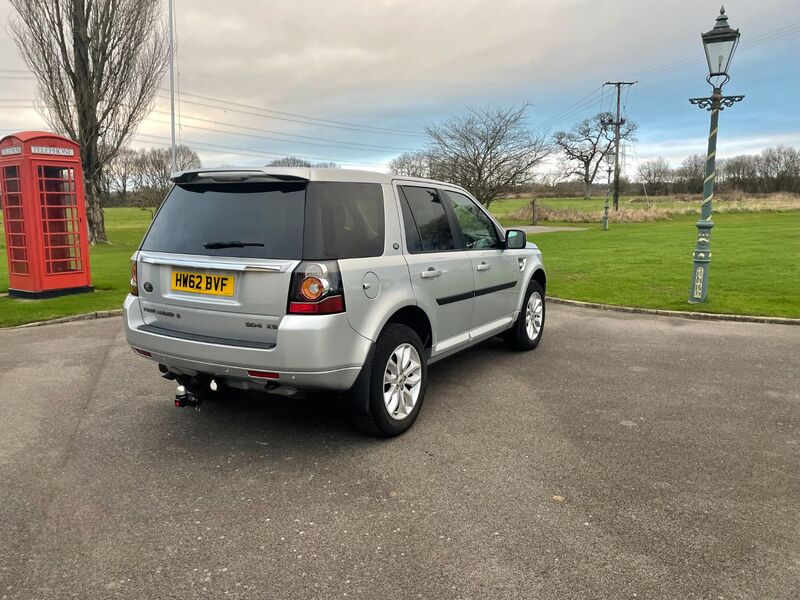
column 698, row 292
column 702, row 250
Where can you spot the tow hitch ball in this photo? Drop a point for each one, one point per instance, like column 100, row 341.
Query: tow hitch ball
column 184, row 397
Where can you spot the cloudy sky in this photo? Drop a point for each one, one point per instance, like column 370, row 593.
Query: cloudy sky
column 356, row 81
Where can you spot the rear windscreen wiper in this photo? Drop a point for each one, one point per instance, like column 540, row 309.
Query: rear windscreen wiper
column 231, row 244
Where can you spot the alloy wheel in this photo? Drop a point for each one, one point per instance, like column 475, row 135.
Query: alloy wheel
column 534, row 315
column 402, row 381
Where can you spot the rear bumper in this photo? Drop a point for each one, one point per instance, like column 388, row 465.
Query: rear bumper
column 312, row 352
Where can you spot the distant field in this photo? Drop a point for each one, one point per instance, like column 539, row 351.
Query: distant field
column 516, row 211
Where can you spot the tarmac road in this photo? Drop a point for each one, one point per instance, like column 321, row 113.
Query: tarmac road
column 628, row 456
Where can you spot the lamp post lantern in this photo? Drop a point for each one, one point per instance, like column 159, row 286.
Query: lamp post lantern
column 720, row 44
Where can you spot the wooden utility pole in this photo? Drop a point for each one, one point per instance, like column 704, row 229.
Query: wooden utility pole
column 616, row 123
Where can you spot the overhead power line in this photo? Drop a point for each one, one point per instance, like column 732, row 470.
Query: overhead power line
column 752, row 42
column 651, row 73
column 226, row 104
column 249, row 151
column 317, row 100
column 226, row 127
column 589, row 98
column 297, row 117
column 287, row 137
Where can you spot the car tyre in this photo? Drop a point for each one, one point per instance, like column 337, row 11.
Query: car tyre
column 395, row 382
column 529, row 326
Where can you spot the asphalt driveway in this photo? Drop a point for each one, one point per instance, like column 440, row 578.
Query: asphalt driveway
column 627, row 457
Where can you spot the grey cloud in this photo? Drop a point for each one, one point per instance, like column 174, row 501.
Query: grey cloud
column 398, row 63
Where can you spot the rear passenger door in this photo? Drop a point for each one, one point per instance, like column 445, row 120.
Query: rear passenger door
column 496, row 272
column 441, row 272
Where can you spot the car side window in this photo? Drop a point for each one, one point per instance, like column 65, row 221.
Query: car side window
column 343, row 220
column 425, row 220
column 479, row 231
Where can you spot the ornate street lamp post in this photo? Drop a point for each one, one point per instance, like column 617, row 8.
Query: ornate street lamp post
column 720, row 44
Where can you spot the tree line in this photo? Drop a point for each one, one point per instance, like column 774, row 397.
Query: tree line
column 141, row 178
column 774, row 169
column 490, row 151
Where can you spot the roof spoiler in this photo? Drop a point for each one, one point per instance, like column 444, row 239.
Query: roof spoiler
column 231, row 175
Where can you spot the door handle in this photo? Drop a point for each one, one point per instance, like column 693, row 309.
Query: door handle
column 483, row 267
column 430, row 273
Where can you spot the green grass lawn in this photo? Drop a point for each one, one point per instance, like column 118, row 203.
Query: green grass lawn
column 110, row 273
column 755, row 267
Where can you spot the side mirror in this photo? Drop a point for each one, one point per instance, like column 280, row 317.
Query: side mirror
column 515, row 239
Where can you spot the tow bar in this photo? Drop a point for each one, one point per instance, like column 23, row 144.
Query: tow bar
column 190, row 390
column 184, row 397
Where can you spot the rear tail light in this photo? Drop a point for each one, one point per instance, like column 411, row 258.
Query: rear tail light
column 134, row 279
column 316, row 289
column 334, row 304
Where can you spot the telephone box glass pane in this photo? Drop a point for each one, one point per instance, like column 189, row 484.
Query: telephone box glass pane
column 58, row 202
column 13, row 219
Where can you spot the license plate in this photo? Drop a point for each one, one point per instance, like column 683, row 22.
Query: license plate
column 202, row 283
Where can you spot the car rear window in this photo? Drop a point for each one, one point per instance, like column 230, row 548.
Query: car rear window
column 285, row 220
column 252, row 213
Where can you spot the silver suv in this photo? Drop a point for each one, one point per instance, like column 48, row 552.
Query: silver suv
column 287, row 279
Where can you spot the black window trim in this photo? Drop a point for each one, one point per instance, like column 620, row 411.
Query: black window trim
column 498, row 231
column 458, row 238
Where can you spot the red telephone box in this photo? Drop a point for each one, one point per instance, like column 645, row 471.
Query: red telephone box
column 44, row 213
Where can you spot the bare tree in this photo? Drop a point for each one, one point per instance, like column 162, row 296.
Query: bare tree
column 120, row 172
column 152, row 170
column 411, row 164
column 584, row 147
column 656, row 174
column 691, row 173
column 294, row 161
column 549, row 179
column 739, row 172
column 98, row 64
column 779, row 168
column 289, row 161
column 487, row 150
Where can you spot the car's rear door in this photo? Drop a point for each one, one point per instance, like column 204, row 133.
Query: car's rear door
column 441, row 272
column 217, row 261
column 496, row 271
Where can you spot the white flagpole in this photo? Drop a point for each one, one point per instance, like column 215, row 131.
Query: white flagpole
column 172, row 87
